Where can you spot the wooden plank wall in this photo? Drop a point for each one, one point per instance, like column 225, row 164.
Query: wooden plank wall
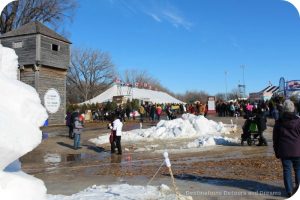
column 58, row 59
column 53, row 78
column 27, row 76
column 27, row 53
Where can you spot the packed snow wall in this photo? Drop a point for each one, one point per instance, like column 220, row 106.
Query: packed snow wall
column 21, row 116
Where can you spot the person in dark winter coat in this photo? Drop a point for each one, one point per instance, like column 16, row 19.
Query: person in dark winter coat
column 286, row 140
column 152, row 112
column 257, row 115
column 69, row 124
column 261, row 122
column 72, row 121
column 128, row 110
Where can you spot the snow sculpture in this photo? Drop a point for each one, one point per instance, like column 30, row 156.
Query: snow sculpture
column 21, row 115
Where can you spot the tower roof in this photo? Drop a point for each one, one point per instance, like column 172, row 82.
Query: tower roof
column 35, row 28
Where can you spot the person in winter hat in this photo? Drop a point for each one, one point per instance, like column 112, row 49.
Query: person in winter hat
column 286, row 141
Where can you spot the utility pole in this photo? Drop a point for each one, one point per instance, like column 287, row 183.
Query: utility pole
column 226, row 97
column 244, row 86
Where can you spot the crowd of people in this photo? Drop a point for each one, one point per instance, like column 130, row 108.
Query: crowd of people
column 150, row 112
column 286, row 132
column 271, row 108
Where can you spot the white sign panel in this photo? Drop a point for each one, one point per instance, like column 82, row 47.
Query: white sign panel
column 52, row 100
column 211, row 104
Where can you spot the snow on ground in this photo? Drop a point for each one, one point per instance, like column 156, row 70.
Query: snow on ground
column 121, row 192
column 52, row 158
column 212, row 141
column 204, row 132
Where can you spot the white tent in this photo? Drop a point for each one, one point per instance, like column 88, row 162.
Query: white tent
column 133, row 93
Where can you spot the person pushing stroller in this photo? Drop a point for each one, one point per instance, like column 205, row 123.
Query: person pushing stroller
column 254, row 126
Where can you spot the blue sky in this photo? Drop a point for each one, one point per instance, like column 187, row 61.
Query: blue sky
column 189, row 44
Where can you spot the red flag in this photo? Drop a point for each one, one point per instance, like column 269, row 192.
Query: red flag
column 117, row 80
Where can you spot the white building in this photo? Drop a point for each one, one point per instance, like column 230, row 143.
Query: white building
column 265, row 94
column 144, row 95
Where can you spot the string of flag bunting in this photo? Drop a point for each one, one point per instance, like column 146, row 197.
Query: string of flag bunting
column 135, row 84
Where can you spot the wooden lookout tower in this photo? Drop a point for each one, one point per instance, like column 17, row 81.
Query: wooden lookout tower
column 44, row 58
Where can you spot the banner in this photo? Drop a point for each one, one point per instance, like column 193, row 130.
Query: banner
column 293, row 85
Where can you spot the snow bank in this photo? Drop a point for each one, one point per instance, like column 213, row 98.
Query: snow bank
column 210, row 140
column 121, row 192
column 21, row 115
column 188, row 126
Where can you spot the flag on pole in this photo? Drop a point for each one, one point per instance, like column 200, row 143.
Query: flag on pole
column 117, row 80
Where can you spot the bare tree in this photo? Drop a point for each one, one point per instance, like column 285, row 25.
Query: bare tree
column 221, row 96
column 234, row 94
column 192, row 96
column 133, row 76
column 91, row 71
column 22, row 12
column 137, row 76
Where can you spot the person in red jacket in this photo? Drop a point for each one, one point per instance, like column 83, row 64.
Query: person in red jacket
column 158, row 112
column 286, row 141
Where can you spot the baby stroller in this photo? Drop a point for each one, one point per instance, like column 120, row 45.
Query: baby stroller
column 172, row 116
column 250, row 132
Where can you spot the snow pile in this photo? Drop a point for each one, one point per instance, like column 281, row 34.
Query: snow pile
column 21, row 115
column 121, row 192
column 206, row 141
column 188, row 126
